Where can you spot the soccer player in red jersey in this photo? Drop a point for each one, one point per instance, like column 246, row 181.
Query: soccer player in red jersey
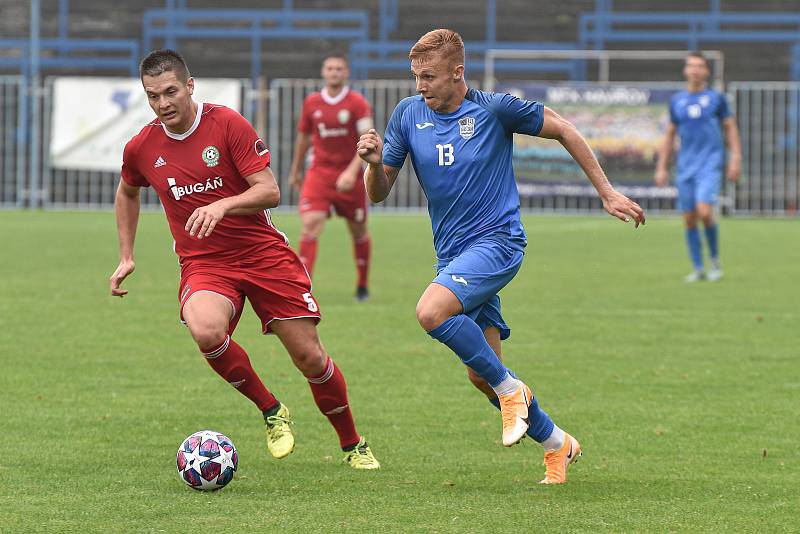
column 331, row 122
column 211, row 172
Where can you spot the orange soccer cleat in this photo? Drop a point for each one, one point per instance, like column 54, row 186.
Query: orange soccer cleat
column 514, row 408
column 557, row 462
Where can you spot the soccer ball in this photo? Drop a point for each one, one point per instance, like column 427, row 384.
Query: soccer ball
column 207, row 460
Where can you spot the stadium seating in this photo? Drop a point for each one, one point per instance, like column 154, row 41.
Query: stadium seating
column 288, row 36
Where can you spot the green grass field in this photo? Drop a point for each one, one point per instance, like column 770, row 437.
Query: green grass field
column 686, row 399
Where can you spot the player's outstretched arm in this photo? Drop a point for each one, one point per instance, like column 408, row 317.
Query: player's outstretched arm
column 664, row 156
column 617, row 204
column 126, row 206
column 378, row 178
column 262, row 194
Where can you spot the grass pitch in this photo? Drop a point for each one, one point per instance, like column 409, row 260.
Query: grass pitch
column 685, row 398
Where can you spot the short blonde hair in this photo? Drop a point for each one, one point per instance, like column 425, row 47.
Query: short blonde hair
column 447, row 43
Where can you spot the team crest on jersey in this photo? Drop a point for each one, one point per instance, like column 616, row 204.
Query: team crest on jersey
column 317, row 114
column 466, row 127
column 211, row 156
column 343, row 116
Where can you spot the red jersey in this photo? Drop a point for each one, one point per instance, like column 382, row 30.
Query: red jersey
column 198, row 167
column 332, row 123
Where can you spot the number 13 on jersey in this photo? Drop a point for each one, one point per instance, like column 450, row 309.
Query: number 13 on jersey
column 446, row 157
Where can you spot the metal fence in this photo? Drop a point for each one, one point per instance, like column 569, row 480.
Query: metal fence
column 13, row 134
column 768, row 115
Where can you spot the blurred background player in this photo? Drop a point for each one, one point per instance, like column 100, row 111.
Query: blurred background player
column 331, row 122
column 460, row 142
column 211, row 172
column 698, row 114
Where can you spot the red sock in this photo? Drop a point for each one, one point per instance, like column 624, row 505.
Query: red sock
column 361, row 251
column 330, row 393
column 230, row 361
column 308, row 253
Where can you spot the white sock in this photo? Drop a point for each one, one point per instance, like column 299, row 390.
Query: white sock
column 555, row 441
column 506, row 386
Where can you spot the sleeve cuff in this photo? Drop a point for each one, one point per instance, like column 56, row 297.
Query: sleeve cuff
column 252, row 169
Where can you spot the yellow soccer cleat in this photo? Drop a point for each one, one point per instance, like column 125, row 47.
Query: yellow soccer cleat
column 514, row 408
column 361, row 457
column 557, row 462
column 280, row 440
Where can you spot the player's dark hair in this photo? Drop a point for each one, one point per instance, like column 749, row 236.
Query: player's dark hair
column 335, row 55
column 160, row 61
column 698, row 54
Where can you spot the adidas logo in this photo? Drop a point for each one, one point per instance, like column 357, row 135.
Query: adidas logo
column 337, row 410
column 160, row 162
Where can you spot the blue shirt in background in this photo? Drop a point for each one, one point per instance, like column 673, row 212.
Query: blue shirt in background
column 698, row 118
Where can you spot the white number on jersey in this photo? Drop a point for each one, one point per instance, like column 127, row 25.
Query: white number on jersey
column 445, row 154
column 312, row 306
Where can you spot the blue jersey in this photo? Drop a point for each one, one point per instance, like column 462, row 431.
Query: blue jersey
column 698, row 118
column 463, row 163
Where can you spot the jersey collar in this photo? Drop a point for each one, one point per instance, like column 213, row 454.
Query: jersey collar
column 190, row 131
column 333, row 100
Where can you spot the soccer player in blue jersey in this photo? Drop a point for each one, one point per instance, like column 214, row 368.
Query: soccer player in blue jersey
column 696, row 115
column 460, row 143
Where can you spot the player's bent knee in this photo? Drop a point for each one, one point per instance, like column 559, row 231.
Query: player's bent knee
column 312, row 228
column 706, row 215
column 310, row 359
column 208, row 338
column 429, row 317
column 359, row 231
column 311, row 232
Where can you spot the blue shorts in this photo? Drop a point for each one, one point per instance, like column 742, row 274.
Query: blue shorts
column 477, row 275
column 704, row 188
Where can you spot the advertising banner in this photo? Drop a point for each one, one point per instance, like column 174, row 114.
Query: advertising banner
column 624, row 126
column 93, row 118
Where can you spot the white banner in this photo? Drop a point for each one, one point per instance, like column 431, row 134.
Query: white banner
column 93, row 118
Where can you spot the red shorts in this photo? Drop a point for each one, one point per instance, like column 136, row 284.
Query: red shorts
column 319, row 194
column 274, row 281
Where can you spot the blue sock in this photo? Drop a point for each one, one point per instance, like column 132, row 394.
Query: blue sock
column 541, row 424
column 695, row 252
column 465, row 338
column 712, row 238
